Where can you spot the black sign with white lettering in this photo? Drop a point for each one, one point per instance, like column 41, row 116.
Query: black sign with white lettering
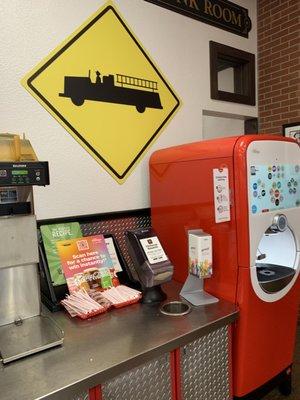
column 220, row 13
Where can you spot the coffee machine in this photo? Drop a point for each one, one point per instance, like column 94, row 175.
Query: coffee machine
column 23, row 330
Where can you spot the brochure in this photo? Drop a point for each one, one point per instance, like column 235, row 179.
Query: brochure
column 113, row 254
column 51, row 234
column 87, row 264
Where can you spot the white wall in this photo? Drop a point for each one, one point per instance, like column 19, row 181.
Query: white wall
column 30, row 29
column 215, row 127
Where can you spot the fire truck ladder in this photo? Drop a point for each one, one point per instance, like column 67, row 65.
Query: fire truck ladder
column 132, row 81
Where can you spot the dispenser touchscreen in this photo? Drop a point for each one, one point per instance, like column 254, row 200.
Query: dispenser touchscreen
column 273, row 187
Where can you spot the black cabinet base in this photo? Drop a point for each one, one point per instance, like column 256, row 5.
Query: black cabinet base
column 282, row 381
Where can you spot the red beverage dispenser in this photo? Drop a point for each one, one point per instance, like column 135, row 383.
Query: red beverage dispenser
column 252, row 213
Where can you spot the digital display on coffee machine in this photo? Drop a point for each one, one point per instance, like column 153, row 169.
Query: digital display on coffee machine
column 19, row 172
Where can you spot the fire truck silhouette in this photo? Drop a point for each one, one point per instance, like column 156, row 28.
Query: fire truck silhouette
column 141, row 93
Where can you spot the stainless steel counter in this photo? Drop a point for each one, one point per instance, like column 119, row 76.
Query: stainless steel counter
column 100, row 348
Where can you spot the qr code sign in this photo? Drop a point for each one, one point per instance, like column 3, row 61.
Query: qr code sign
column 82, row 245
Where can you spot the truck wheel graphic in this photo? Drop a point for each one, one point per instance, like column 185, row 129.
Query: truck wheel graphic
column 78, row 101
column 140, row 108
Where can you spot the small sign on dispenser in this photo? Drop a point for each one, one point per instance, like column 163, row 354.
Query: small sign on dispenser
column 221, row 195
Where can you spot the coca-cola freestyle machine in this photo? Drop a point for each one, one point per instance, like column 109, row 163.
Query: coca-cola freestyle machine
column 245, row 192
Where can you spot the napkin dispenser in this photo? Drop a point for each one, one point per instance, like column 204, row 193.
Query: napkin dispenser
column 151, row 263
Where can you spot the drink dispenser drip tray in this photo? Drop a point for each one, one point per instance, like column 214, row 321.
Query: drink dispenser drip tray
column 273, row 278
column 29, row 336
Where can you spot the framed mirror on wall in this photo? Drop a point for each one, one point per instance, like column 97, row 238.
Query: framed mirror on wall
column 232, row 74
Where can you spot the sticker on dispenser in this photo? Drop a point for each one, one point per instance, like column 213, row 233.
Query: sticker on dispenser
column 153, row 250
column 221, row 195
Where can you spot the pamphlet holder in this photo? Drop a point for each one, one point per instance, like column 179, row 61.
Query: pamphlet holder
column 193, row 292
column 52, row 295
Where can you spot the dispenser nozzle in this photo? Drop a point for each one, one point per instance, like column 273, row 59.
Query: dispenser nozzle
column 261, row 255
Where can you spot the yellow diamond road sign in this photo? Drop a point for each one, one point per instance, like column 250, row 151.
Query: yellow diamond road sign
column 103, row 87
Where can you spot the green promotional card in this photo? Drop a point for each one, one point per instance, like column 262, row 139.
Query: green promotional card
column 52, row 234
